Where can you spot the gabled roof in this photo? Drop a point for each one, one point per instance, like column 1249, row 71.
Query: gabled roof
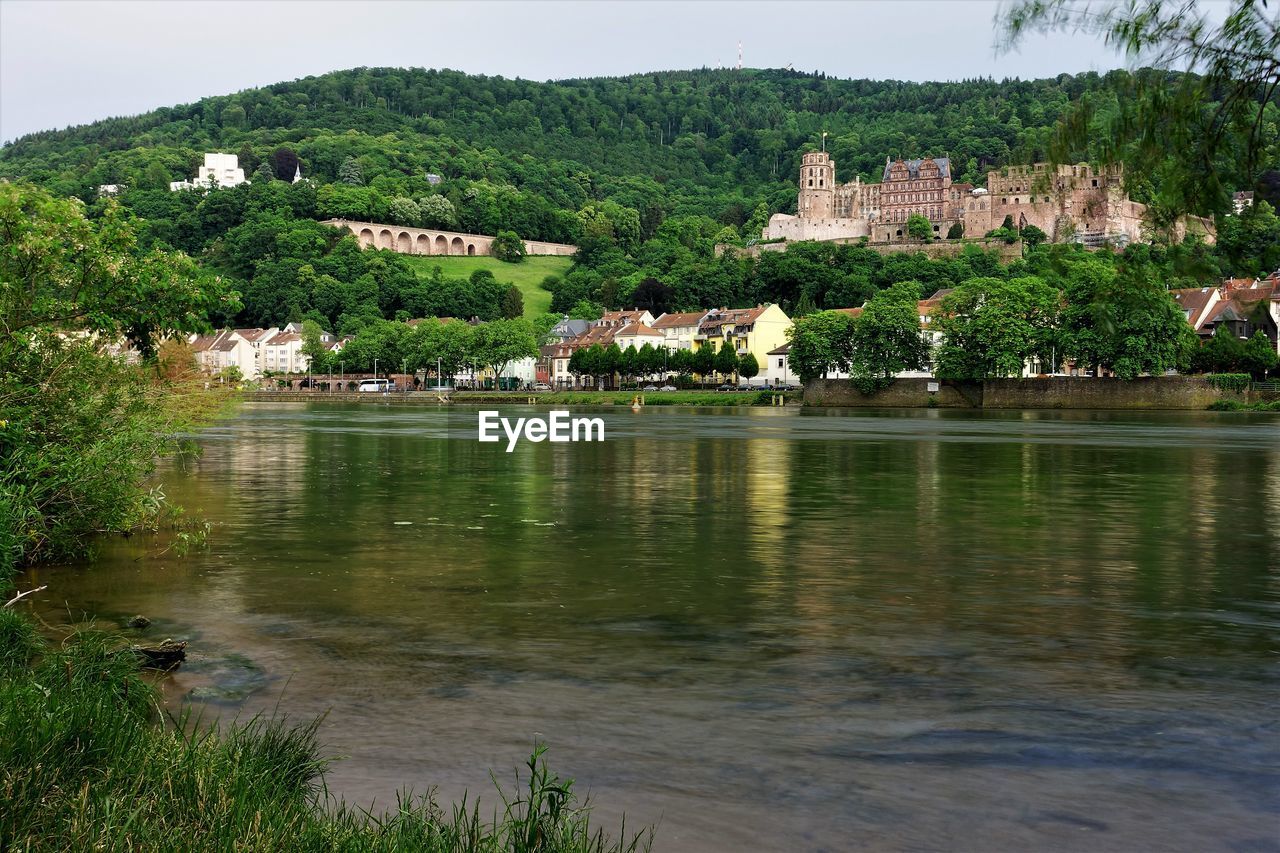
column 283, row 338
column 913, row 168
column 632, row 330
column 252, row 335
column 1194, row 300
column 782, row 350
column 730, row 317
column 675, row 320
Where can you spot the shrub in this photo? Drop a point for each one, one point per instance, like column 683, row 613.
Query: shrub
column 1229, row 381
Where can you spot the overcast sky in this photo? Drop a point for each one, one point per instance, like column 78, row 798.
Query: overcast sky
column 66, row 63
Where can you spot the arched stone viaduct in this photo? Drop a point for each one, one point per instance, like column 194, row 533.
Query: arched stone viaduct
column 428, row 241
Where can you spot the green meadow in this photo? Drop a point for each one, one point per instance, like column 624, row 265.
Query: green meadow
column 526, row 275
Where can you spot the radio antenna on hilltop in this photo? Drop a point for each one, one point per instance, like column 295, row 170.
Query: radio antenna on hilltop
column 739, row 56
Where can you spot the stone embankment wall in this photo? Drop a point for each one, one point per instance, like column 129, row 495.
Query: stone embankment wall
column 1157, row 392
column 940, row 249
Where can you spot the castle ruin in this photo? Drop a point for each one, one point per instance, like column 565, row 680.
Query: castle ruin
column 1067, row 202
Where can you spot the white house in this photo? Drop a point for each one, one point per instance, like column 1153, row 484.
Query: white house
column 218, row 353
column 219, row 170
column 637, row 335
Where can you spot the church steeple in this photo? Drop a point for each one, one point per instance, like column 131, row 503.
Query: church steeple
column 297, row 173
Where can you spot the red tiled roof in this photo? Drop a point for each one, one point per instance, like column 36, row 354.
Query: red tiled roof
column 671, row 321
column 731, row 317
column 633, row 329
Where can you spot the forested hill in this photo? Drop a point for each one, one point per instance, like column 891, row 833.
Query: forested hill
column 707, row 142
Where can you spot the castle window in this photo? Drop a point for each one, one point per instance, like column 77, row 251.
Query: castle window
column 1095, row 182
column 811, row 182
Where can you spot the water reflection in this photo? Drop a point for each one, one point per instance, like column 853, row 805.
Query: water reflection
column 770, row 628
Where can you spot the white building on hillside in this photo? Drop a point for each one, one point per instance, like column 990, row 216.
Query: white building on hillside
column 219, row 170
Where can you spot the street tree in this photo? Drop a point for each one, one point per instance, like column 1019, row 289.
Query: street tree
column 991, row 327
column 821, row 343
column 1123, row 320
column 887, row 337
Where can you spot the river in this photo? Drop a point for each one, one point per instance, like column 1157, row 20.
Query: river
column 757, row 629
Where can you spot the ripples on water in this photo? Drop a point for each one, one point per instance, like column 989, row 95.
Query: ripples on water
column 762, row 628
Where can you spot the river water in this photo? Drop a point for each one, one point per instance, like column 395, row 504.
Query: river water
column 757, row 629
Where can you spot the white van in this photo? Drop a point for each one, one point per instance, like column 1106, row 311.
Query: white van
column 375, row 385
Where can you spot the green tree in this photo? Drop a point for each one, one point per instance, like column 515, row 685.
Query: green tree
column 887, row 338
column 956, row 231
column 1258, row 355
column 512, row 303
column 748, row 367
column 726, row 360
column 1222, row 353
column 80, row 431
column 1032, row 236
column 1124, row 321
column 403, row 211
column 314, row 347
column 498, row 343
column 821, row 343
column 507, row 246
column 992, row 328
column 704, row 360
column 919, row 227
column 155, row 176
column 1157, row 112
column 609, row 363
column 437, row 212
column 61, row 270
column 350, row 173
column 585, row 310
column 264, row 173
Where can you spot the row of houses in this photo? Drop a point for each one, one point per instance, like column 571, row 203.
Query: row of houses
column 1243, row 306
column 256, row 352
column 758, row 331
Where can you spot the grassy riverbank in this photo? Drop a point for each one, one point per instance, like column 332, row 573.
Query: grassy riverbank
column 89, row 762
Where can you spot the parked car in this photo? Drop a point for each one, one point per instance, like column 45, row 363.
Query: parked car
column 726, row 387
column 541, row 386
column 649, row 388
column 667, row 388
column 376, row 385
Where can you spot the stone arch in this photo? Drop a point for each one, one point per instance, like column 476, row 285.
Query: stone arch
column 442, row 245
column 422, row 246
column 471, row 248
column 404, row 243
column 385, row 240
column 365, row 237
column 456, row 247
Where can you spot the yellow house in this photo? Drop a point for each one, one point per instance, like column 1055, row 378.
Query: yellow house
column 755, row 330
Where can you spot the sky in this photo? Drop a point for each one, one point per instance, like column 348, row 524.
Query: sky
column 68, row 62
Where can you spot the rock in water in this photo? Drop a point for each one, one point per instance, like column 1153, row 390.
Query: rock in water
column 167, row 655
column 139, row 622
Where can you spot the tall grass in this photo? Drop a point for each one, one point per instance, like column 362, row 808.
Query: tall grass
column 88, row 761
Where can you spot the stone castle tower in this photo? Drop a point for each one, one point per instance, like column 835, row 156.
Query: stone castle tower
column 817, row 186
